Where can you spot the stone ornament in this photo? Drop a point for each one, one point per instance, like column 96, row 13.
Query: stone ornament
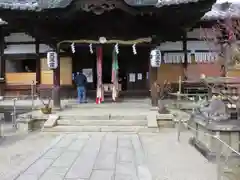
column 216, row 110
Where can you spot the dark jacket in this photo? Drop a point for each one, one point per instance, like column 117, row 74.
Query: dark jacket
column 81, row 80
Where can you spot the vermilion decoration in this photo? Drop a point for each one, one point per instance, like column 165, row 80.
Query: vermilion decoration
column 100, row 96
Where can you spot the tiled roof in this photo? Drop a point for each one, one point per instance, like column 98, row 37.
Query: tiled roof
column 46, row 4
column 19, row 4
column 172, row 2
column 33, row 4
column 221, row 9
column 224, row 9
column 157, row 3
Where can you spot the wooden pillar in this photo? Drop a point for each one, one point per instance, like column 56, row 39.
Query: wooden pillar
column 38, row 63
column 2, row 62
column 185, row 51
column 153, row 85
column 56, row 83
column 153, row 71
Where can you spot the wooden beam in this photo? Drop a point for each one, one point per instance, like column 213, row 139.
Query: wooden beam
column 185, row 51
column 38, row 62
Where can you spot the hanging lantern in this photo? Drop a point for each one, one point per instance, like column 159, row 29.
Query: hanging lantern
column 73, row 48
column 116, row 48
column 102, row 40
column 52, row 60
column 90, row 48
column 134, row 49
column 155, row 58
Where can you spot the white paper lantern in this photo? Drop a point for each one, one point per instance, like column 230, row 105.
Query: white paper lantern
column 155, row 58
column 102, row 40
column 52, row 60
column 202, row 76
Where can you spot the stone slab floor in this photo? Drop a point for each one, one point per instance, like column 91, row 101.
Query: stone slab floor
column 103, row 156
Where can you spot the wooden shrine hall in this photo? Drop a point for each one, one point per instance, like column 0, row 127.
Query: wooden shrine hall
column 97, row 30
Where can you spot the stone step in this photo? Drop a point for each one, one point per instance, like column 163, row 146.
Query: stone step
column 103, row 117
column 101, row 129
column 72, row 122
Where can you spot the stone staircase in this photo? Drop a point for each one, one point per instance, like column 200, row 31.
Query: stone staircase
column 105, row 118
column 102, row 123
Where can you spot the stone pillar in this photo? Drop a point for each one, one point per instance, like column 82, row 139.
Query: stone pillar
column 56, row 84
column 2, row 62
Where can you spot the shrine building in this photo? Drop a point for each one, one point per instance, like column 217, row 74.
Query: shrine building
column 75, row 28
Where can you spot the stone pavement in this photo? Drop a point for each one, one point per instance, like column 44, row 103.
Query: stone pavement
column 113, row 156
column 16, row 148
column 172, row 160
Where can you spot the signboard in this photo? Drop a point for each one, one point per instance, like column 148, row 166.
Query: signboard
column 132, row 77
column 139, row 76
column 155, row 58
column 89, row 74
column 52, row 60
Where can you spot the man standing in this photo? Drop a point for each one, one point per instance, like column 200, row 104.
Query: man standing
column 81, row 82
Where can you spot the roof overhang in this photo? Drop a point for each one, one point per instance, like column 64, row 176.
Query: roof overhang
column 38, row 5
column 223, row 9
column 157, row 3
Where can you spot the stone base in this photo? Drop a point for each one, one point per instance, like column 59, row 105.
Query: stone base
column 51, row 121
column 165, row 120
column 24, row 127
column 30, row 125
column 166, row 123
column 152, row 119
column 154, row 108
column 210, row 156
column 125, row 129
column 205, row 142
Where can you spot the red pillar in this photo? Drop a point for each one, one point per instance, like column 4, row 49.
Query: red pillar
column 99, row 91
